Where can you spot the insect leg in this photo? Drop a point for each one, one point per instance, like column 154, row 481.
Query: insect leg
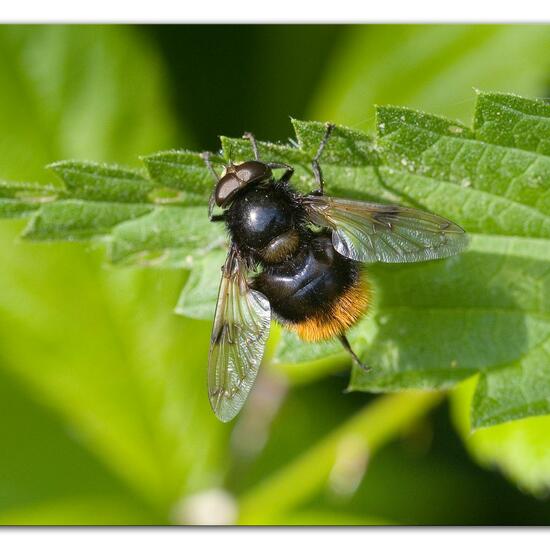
column 315, row 162
column 285, row 178
column 250, row 136
column 356, row 359
column 288, row 169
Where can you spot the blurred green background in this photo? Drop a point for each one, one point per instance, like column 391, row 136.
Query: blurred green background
column 104, row 417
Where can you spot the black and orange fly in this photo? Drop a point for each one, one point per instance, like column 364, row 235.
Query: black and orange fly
column 308, row 252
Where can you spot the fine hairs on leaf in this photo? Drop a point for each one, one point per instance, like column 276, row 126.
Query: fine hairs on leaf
column 431, row 325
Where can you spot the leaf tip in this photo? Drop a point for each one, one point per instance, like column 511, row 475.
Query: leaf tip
column 57, row 165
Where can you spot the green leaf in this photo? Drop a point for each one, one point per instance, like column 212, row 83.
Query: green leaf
column 200, row 293
column 146, row 221
column 100, row 182
column 486, row 310
column 170, row 236
column 513, row 121
column 20, row 200
column 492, row 293
column 506, row 189
column 432, row 324
column 346, row 147
column 519, row 449
column 184, row 171
column 519, row 388
column 77, row 220
column 479, row 311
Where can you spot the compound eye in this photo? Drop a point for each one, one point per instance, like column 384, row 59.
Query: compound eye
column 252, row 171
column 227, row 187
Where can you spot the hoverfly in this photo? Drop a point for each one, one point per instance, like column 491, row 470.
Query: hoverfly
column 309, row 250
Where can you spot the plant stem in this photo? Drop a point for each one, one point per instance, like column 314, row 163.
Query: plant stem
column 376, row 424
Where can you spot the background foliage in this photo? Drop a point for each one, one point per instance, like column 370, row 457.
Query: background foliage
column 104, row 410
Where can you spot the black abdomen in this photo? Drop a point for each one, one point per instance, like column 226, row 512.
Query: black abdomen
column 308, row 283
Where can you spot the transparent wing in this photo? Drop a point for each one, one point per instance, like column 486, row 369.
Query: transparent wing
column 239, row 334
column 369, row 232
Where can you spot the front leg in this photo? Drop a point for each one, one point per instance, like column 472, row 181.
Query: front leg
column 288, row 173
column 317, row 173
column 214, row 217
